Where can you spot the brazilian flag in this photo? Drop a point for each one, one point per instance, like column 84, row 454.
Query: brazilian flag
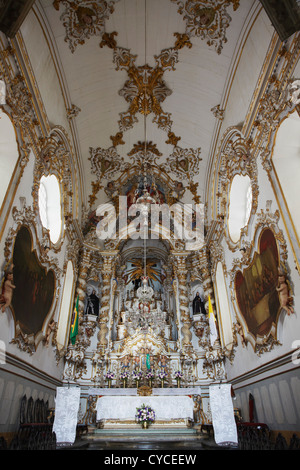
column 74, row 323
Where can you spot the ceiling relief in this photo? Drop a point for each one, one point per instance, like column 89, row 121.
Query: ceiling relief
column 207, row 19
column 145, row 90
column 84, row 19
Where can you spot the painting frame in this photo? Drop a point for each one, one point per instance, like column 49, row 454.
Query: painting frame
column 261, row 341
column 26, row 217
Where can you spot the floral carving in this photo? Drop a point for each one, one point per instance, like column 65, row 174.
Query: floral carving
column 207, row 20
column 84, row 19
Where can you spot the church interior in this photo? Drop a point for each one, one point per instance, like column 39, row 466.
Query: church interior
column 149, row 223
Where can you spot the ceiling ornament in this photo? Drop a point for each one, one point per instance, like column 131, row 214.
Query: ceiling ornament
column 184, row 163
column 106, row 162
column 83, row 19
column 144, row 153
column 207, row 19
column 144, row 90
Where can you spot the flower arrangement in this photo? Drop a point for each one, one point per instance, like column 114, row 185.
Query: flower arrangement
column 178, row 374
column 137, row 374
column 124, row 375
column 109, row 375
column 162, row 375
column 145, row 415
column 150, row 375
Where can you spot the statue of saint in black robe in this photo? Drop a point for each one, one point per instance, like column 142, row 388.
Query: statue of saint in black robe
column 198, row 305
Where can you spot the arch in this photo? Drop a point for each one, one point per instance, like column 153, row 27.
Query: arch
column 65, row 308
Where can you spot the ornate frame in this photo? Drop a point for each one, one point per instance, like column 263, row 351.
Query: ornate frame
column 265, row 219
column 26, row 217
column 55, row 159
column 235, row 159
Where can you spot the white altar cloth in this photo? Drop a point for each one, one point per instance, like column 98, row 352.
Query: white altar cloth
column 66, row 414
column 165, row 407
column 225, row 430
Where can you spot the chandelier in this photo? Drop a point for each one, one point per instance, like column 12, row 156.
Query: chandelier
column 144, row 315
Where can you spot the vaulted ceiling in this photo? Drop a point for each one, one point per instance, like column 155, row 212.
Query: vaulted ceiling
column 155, row 71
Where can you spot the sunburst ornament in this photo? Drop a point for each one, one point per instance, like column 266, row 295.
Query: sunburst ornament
column 138, row 270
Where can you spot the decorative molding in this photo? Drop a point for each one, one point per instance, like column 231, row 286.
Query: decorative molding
column 207, row 19
column 265, row 220
column 25, row 216
column 235, row 159
column 84, row 19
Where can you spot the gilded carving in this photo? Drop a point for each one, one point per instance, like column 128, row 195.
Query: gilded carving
column 235, row 159
column 273, row 278
column 84, row 19
column 25, row 217
column 207, row 19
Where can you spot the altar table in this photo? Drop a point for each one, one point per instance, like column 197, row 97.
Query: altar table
column 166, row 408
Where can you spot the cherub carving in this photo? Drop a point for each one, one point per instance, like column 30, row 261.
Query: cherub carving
column 284, row 293
column 7, row 289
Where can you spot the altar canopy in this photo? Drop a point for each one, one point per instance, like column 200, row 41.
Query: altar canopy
column 225, row 430
column 165, row 407
column 66, row 414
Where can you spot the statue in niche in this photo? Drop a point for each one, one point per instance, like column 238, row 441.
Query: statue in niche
column 7, row 289
column 163, row 362
column 125, row 362
column 92, row 306
column 198, row 305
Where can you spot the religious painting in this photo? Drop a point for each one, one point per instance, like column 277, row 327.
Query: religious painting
column 255, row 287
column 35, row 286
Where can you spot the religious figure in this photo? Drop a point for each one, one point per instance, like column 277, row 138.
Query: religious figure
column 283, row 291
column 7, row 289
column 125, row 362
column 198, row 305
column 92, row 307
column 148, row 359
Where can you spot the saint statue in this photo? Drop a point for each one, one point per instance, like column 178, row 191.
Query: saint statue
column 148, row 362
column 198, row 305
column 92, row 307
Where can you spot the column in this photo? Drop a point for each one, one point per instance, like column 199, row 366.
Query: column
column 108, row 271
column 179, row 260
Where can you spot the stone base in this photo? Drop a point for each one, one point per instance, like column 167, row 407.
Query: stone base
column 131, row 424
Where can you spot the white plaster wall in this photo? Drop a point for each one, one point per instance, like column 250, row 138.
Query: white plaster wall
column 44, row 71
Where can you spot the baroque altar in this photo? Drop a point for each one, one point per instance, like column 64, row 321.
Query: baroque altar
column 145, row 333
